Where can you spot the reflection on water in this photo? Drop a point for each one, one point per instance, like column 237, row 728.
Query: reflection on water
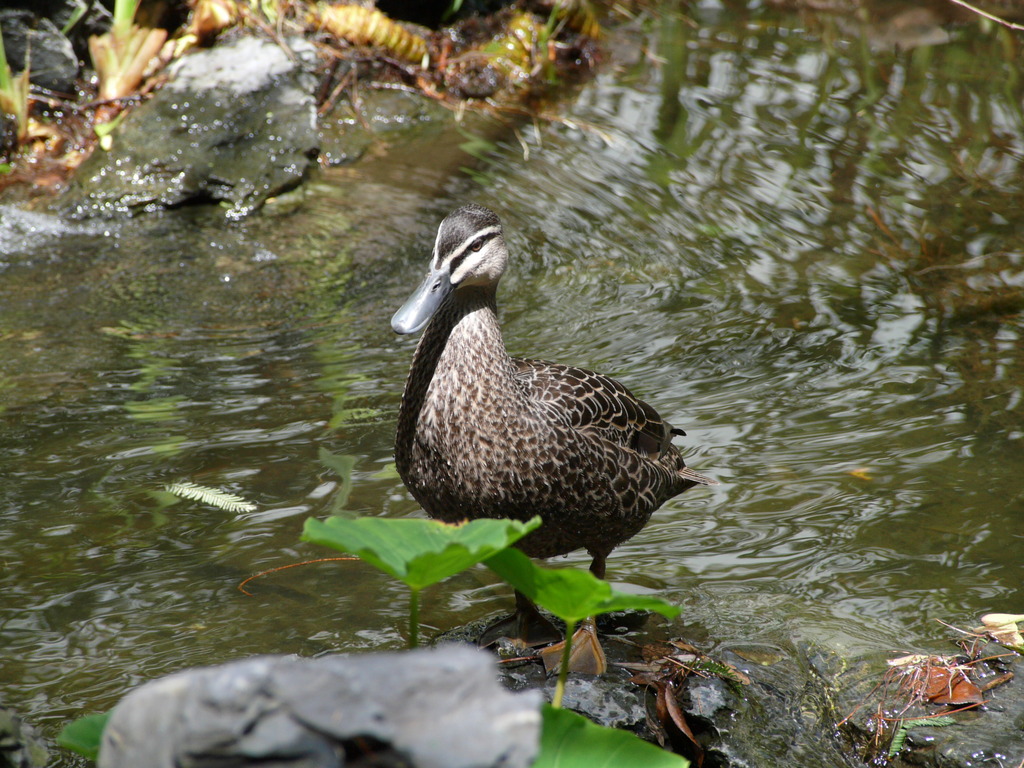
column 805, row 253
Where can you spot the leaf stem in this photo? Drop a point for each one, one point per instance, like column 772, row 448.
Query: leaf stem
column 987, row 15
column 414, row 618
column 563, row 668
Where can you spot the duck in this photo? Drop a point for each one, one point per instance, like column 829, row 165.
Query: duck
column 482, row 434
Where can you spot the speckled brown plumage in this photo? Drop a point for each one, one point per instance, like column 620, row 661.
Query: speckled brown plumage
column 483, row 434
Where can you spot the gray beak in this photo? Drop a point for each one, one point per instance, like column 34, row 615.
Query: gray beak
column 421, row 306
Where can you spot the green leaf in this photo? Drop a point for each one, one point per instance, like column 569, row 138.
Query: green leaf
column 102, row 130
column 212, row 496
column 570, row 594
column 84, row 735
column 569, row 740
column 419, row 552
column 900, row 736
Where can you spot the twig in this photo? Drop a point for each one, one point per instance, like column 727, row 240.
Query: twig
column 882, row 226
column 988, row 15
column 348, row 78
column 523, row 144
column 964, row 708
column 243, row 590
column 940, row 621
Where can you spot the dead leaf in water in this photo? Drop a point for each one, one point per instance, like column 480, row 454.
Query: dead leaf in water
column 935, row 680
column 950, row 685
column 1002, row 627
column 669, row 711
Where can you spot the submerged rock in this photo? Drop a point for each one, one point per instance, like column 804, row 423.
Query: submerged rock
column 439, row 708
column 783, row 714
column 989, row 734
column 234, row 124
column 19, row 747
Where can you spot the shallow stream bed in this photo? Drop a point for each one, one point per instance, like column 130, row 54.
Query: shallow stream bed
column 801, row 242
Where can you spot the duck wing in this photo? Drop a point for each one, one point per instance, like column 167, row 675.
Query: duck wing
column 592, row 402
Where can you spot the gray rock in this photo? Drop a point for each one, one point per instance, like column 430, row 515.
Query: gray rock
column 607, row 700
column 39, row 44
column 234, row 124
column 439, row 708
column 79, row 18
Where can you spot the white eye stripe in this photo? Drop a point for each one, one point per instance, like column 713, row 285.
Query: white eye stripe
column 484, row 235
column 455, row 256
column 481, row 236
column 436, row 261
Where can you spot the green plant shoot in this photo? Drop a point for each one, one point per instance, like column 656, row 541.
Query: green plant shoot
column 417, row 552
column 120, row 56
column 124, row 15
column 14, row 93
column 572, row 595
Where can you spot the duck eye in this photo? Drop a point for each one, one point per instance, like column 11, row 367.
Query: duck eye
column 477, row 245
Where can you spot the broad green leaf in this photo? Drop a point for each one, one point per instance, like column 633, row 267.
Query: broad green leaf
column 570, row 594
column 419, row 552
column 568, row 740
column 84, row 735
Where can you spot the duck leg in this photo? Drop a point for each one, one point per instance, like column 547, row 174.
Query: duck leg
column 585, row 653
column 527, row 627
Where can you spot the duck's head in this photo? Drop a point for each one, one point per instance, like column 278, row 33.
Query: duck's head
column 469, row 251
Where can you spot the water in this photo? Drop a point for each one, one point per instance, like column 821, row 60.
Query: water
column 801, row 245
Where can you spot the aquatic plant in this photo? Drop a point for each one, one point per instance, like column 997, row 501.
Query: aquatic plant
column 526, row 51
column 568, row 740
column 423, row 552
column 84, row 735
column 417, row 552
column 368, row 26
column 899, row 738
column 212, row 496
column 14, row 93
column 578, row 15
column 122, row 54
column 522, row 52
column 570, row 594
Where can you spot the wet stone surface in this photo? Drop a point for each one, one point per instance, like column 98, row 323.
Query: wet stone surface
column 440, row 708
column 788, row 704
column 350, row 129
column 987, row 735
column 235, row 124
